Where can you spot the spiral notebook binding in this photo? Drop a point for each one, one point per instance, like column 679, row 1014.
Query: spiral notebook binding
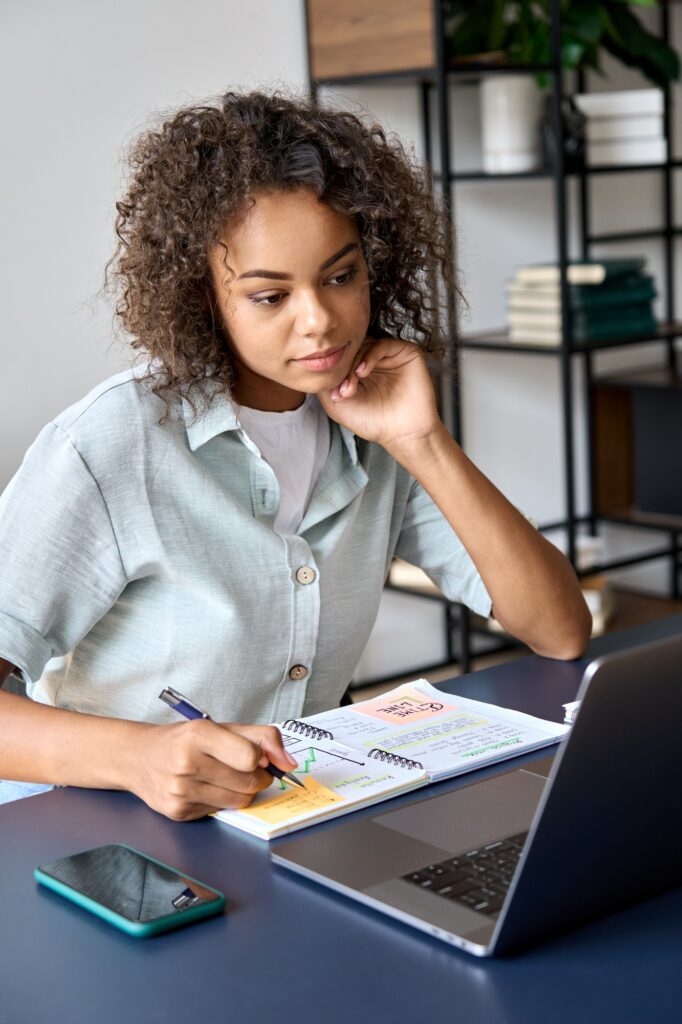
column 311, row 731
column 401, row 762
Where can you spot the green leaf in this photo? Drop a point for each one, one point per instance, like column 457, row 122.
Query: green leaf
column 480, row 27
column 584, row 20
column 591, row 59
column 496, row 35
column 630, row 42
column 572, row 51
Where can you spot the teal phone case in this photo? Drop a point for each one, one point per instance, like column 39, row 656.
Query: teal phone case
column 138, row 929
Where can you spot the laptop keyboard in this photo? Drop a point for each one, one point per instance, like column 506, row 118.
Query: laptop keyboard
column 478, row 879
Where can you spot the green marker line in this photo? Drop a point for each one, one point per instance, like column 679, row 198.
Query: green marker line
column 308, row 761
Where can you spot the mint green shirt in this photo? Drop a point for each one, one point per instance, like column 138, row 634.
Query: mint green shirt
column 137, row 556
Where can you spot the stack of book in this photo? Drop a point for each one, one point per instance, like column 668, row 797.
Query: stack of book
column 608, row 299
column 624, row 127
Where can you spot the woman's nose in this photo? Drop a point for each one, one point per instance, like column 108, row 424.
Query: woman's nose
column 313, row 315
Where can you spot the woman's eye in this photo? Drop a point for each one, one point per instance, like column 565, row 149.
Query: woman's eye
column 266, row 300
column 345, row 277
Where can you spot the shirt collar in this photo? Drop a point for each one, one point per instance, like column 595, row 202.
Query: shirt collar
column 221, row 416
column 350, row 443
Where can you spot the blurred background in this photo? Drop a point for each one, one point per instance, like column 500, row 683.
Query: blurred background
column 81, row 79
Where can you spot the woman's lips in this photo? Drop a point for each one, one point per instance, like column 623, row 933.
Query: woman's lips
column 326, row 360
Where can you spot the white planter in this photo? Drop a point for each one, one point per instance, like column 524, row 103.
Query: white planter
column 510, row 112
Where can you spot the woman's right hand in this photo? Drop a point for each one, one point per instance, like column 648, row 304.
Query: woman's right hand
column 190, row 769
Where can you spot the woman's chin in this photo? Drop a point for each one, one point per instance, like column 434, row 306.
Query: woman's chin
column 323, row 383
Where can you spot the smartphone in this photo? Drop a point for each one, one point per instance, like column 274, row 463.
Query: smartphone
column 130, row 890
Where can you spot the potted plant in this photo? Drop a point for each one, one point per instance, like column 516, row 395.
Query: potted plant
column 518, row 32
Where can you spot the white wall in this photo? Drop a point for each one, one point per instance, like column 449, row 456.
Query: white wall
column 77, row 80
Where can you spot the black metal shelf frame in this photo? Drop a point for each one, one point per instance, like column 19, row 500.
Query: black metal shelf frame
column 498, row 341
column 547, row 173
column 433, row 83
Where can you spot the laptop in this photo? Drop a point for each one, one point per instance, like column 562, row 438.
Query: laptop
column 505, row 862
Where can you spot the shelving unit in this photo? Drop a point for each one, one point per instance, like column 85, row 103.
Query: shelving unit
column 330, row 30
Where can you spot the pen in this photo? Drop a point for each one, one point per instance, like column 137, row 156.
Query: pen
column 184, row 706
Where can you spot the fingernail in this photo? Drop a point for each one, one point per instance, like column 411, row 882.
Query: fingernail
column 292, row 760
column 361, row 367
column 344, row 387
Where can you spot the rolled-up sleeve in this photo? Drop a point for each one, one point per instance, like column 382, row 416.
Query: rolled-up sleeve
column 428, row 541
column 60, row 566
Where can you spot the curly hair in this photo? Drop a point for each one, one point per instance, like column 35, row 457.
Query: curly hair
column 199, row 171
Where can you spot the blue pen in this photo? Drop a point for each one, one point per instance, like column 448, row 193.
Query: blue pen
column 184, row 706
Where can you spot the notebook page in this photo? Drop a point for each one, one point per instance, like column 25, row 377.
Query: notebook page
column 445, row 734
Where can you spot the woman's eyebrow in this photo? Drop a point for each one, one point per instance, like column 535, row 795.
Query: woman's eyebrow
column 338, row 255
column 276, row 275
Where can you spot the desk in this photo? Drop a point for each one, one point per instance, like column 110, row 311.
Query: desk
column 338, row 962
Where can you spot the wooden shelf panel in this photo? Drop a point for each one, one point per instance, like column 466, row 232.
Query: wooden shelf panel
column 647, row 377
column 360, row 38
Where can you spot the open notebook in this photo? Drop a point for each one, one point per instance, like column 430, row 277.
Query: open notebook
column 354, row 756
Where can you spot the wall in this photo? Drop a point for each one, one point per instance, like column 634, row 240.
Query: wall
column 77, row 80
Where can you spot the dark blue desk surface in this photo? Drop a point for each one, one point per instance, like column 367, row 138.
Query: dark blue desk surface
column 288, row 951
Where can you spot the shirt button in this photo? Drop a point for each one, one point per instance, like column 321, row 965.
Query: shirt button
column 305, row 574
column 298, row 672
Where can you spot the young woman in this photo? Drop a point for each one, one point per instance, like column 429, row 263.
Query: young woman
column 221, row 519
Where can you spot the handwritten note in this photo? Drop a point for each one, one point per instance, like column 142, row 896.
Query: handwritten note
column 291, row 802
column 407, row 705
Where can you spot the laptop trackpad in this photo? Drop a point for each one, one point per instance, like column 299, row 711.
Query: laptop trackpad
column 468, row 817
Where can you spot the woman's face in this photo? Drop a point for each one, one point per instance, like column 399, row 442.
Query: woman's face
column 297, row 309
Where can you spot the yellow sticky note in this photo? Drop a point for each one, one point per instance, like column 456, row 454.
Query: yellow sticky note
column 291, row 802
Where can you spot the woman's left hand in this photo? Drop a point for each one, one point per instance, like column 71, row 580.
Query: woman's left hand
column 387, row 397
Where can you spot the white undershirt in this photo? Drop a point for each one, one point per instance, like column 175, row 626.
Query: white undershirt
column 295, row 445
